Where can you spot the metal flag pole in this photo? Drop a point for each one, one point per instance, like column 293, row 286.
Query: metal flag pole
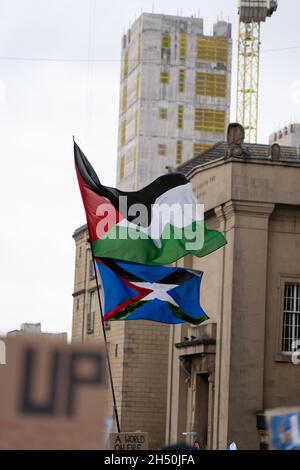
column 106, row 346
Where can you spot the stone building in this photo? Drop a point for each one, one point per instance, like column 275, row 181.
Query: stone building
column 288, row 135
column 36, row 329
column 225, row 373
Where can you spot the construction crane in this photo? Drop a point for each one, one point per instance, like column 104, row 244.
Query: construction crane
column 251, row 14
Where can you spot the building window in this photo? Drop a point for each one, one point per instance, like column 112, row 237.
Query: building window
column 180, row 116
column 165, row 41
column 179, row 152
column 125, row 70
column 162, row 149
column 163, row 113
column 212, row 49
column 90, row 323
column 124, row 99
column 209, row 120
column 164, row 77
column 200, row 148
column 182, row 45
column 291, row 317
column 122, row 167
column 211, row 84
column 123, row 133
column 181, row 80
column 79, row 253
column 91, row 269
column 77, row 304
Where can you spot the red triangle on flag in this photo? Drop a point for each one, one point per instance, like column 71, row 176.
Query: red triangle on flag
column 100, row 212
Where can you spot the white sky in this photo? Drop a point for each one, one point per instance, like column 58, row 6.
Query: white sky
column 43, row 103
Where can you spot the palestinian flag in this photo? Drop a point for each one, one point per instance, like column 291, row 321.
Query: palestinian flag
column 158, row 293
column 156, row 225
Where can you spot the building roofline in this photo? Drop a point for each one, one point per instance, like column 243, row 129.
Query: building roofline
column 180, row 18
column 79, row 230
column 204, row 166
column 249, row 161
column 207, row 151
column 238, row 150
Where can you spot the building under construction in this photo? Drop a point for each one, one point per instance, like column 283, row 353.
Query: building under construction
column 174, row 94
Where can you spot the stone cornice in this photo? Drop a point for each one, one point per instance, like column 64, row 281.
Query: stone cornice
column 256, row 209
column 78, row 292
column 250, row 161
column 195, row 342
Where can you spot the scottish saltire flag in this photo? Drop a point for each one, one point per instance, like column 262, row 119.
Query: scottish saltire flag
column 156, row 225
column 158, row 293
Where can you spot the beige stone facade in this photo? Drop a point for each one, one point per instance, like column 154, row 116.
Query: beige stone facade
column 223, row 374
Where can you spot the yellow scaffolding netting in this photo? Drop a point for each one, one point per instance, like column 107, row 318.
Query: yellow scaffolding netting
column 210, row 120
column 211, row 84
column 179, row 152
column 165, row 41
column 212, row 49
column 181, row 80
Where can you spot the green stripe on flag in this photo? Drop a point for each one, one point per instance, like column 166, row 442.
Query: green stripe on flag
column 129, row 244
column 124, row 314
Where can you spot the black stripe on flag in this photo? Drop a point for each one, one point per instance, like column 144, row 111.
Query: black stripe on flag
column 176, row 277
column 146, row 196
column 121, row 271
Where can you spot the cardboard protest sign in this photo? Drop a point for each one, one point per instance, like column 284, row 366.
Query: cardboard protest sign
column 52, row 395
column 284, row 428
column 128, row 441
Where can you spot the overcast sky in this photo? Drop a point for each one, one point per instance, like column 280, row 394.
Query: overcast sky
column 44, row 102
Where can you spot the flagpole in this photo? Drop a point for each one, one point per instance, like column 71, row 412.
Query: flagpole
column 106, row 346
